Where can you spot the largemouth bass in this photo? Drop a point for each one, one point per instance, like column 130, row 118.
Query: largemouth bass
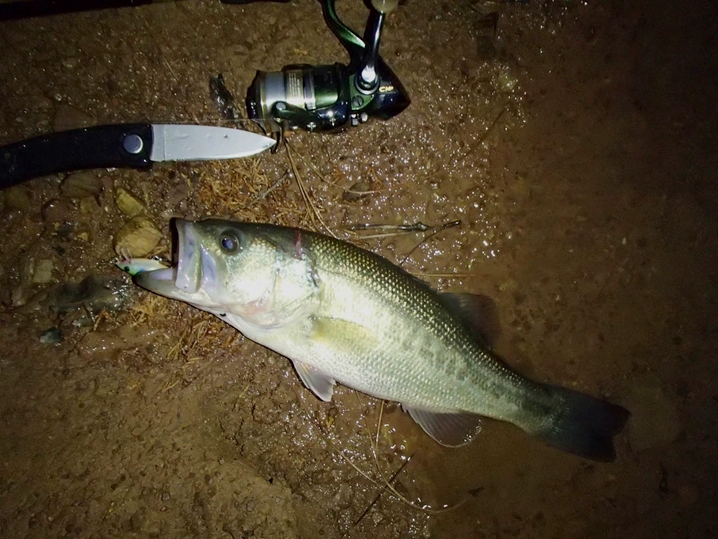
column 343, row 314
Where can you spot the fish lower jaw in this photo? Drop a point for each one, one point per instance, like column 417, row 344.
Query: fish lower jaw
column 165, row 274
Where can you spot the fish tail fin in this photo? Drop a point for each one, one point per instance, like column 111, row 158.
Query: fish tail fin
column 583, row 425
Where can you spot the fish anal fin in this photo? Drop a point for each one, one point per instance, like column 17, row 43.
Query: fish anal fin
column 478, row 312
column 451, row 429
column 321, row 384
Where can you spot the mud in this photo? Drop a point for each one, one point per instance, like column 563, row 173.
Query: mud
column 576, row 143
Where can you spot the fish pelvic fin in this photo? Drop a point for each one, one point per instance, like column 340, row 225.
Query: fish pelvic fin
column 321, row 384
column 450, row 429
column 584, row 425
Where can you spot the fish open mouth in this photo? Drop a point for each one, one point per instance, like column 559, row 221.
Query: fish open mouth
column 189, row 259
column 185, row 276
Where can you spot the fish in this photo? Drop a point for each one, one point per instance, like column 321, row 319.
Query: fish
column 343, row 314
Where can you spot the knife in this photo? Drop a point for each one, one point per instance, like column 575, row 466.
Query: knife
column 122, row 146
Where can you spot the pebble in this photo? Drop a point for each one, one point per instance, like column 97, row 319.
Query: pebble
column 136, row 238
column 127, row 203
column 177, row 194
column 81, row 184
column 137, row 521
column 520, row 188
column 22, row 292
column 56, row 210
column 70, row 62
column 43, row 271
column 51, row 336
column 88, row 205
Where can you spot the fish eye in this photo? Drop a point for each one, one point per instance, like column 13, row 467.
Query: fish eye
column 229, row 243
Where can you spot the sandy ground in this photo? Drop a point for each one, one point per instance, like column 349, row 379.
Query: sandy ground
column 577, row 146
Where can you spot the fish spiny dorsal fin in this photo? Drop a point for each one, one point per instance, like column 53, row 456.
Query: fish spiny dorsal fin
column 478, row 313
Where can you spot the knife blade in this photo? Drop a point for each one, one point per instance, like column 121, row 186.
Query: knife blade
column 123, row 145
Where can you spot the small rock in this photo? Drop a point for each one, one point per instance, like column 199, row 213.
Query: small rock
column 56, row 210
column 137, row 238
column 177, row 194
column 18, row 198
column 21, row 294
column 43, row 271
column 67, row 117
column 128, row 204
column 64, row 231
column 43, row 103
column 81, row 184
column 70, row 62
column 88, row 205
column 520, row 188
column 137, row 521
column 51, row 336
column 655, row 420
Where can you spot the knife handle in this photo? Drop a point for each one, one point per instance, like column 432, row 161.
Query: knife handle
column 252, row 1
column 105, row 146
column 23, row 9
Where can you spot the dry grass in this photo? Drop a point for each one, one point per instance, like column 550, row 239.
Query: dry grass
column 232, row 188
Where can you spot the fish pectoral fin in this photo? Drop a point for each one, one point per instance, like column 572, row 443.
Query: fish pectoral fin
column 452, row 429
column 478, row 312
column 342, row 335
column 321, row 384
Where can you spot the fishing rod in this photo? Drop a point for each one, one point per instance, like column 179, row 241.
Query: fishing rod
column 26, row 9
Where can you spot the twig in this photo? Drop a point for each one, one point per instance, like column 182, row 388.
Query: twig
column 386, row 486
column 427, row 238
column 263, row 194
column 311, row 208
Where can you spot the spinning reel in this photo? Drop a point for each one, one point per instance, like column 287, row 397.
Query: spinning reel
column 326, row 97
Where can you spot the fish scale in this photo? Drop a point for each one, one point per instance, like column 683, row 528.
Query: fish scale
column 344, row 314
column 406, row 295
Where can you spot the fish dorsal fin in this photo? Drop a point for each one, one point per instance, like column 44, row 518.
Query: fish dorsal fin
column 452, row 429
column 478, row 312
column 321, row 384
